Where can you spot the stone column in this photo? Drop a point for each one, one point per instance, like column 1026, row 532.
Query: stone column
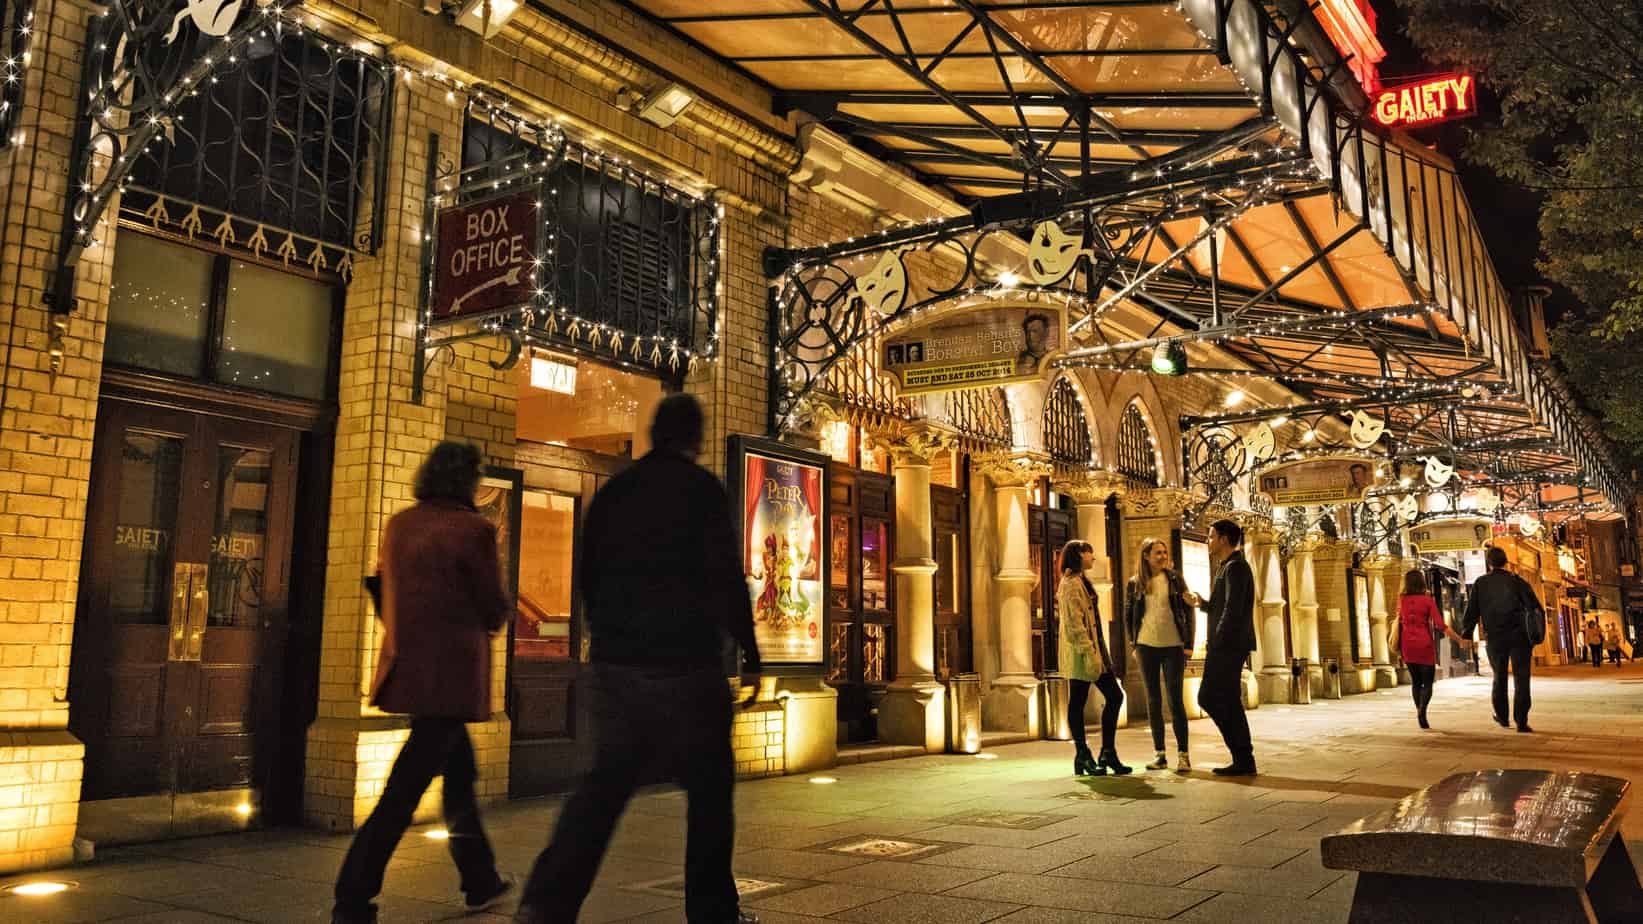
column 1303, row 610
column 1011, row 703
column 1379, row 569
column 913, row 710
column 1272, row 675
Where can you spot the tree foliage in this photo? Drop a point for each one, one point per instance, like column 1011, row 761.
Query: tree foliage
column 1569, row 78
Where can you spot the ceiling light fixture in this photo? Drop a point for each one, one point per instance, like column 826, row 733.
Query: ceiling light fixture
column 486, row 17
column 664, row 107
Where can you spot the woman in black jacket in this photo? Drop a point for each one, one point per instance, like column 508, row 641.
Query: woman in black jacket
column 1158, row 617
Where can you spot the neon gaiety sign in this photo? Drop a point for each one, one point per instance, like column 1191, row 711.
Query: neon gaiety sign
column 1437, row 99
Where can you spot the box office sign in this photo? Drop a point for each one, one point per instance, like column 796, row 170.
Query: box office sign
column 486, row 256
column 1459, row 534
column 1327, row 480
column 977, row 349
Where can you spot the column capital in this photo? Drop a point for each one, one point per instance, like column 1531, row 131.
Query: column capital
column 1091, row 487
column 912, row 444
column 1156, row 503
column 1257, row 526
column 1014, row 469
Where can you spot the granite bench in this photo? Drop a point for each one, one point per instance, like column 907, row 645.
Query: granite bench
column 1496, row 846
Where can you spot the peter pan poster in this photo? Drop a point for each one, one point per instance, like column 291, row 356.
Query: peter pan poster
column 782, row 532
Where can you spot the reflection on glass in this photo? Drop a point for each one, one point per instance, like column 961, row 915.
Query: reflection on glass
column 1199, row 577
column 276, row 332
column 238, row 533
column 838, row 566
column 159, row 306
column 1361, row 599
column 145, row 527
column 606, row 410
column 874, row 592
column 1035, row 555
column 542, row 626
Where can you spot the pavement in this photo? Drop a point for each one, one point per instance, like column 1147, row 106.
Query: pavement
column 952, row 839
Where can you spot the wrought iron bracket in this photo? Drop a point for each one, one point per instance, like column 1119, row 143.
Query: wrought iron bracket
column 140, row 62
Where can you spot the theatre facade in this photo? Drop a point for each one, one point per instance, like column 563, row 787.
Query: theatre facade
column 955, row 284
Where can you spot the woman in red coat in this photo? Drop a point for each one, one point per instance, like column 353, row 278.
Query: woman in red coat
column 1419, row 624
column 441, row 602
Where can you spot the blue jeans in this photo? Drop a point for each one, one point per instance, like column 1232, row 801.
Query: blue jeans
column 1170, row 664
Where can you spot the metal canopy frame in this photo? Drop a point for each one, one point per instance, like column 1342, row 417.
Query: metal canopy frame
column 1301, row 140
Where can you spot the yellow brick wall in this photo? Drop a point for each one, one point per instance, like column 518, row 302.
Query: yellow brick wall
column 757, row 739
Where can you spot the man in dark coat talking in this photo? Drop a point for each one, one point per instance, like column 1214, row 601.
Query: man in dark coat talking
column 1231, row 639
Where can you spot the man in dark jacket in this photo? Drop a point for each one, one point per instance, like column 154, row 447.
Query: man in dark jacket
column 1498, row 600
column 1231, row 639
column 441, row 602
column 663, row 586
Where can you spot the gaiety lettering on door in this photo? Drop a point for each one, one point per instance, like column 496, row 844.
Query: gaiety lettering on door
column 1436, row 100
column 147, row 539
column 486, row 259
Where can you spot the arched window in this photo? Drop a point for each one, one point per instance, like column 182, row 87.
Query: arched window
column 1066, row 431
column 1137, row 457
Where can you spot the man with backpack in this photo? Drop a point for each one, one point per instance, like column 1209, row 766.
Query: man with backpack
column 1513, row 624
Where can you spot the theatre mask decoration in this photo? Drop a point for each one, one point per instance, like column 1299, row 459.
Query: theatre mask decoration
column 1486, row 501
column 1527, row 524
column 211, row 17
column 1437, row 472
column 1407, row 508
column 1259, row 443
column 1366, row 430
column 1052, row 254
column 884, row 288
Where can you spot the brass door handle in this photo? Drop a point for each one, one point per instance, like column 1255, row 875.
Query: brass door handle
column 190, row 606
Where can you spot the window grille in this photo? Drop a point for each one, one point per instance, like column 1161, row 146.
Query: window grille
column 1137, row 459
column 1066, row 431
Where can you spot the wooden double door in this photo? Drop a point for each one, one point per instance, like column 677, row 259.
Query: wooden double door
column 179, row 639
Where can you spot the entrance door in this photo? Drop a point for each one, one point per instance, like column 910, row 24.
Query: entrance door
column 1048, row 530
column 950, row 533
column 180, row 634
column 860, row 602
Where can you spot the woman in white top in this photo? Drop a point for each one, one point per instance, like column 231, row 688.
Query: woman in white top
column 1158, row 617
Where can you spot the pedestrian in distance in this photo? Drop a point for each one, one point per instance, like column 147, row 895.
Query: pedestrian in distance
column 1611, row 641
column 1414, row 637
column 441, row 601
column 1594, row 643
column 1513, row 624
column 663, row 587
column 1085, row 660
column 1231, row 639
column 1159, row 621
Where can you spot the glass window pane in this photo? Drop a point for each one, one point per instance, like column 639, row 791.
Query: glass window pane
column 875, row 593
column 237, row 536
column 585, row 405
column 542, row 628
column 276, row 332
column 145, row 527
column 159, row 305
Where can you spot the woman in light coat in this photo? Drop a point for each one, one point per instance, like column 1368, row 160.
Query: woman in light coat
column 1085, row 660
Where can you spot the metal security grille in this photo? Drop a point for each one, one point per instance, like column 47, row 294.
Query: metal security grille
column 1066, row 431
column 628, row 252
column 281, row 153
column 1136, row 459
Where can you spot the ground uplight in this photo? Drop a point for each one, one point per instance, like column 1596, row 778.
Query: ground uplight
column 37, row 889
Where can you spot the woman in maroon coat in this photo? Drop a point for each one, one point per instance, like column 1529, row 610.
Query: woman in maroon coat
column 441, row 601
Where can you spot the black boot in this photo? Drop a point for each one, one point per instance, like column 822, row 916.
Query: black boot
column 1084, row 763
column 1109, row 761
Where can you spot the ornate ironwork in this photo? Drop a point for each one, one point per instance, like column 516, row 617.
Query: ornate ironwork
column 1137, row 454
column 1216, row 458
column 1078, row 241
column 631, row 270
column 1066, row 430
column 144, row 63
column 288, row 146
